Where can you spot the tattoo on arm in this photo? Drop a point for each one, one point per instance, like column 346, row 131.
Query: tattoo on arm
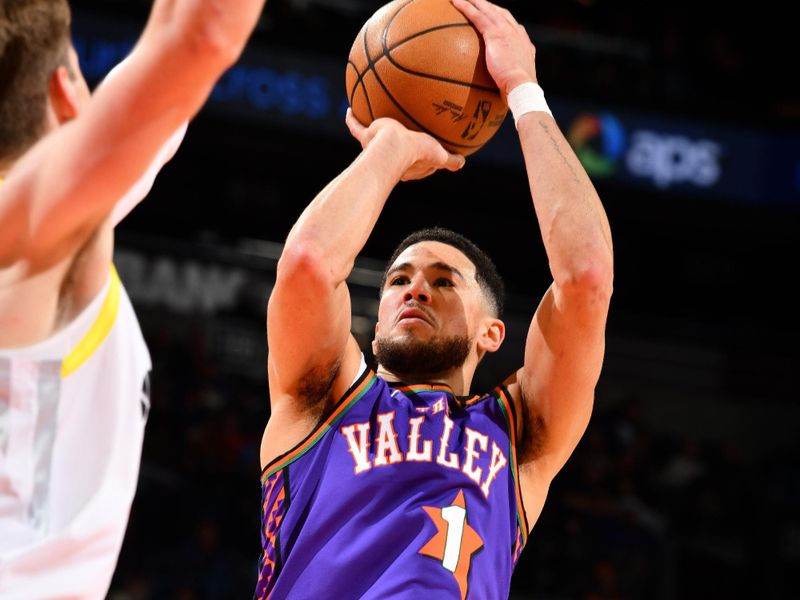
column 566, row 159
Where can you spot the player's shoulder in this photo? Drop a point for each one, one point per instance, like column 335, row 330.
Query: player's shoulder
column 511, row 396
column 512, row 387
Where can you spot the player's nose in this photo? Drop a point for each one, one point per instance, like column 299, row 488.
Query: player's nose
column 418, row 290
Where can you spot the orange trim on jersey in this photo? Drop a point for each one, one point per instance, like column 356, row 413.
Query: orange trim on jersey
column 272, row 523
column 470, row 400
column 98, row 331
column 507, row 408
column 345, row 404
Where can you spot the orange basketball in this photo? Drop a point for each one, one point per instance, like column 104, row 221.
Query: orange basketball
column 423, row 63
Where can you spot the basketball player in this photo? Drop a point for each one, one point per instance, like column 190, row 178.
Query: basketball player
column 73, row 364
column 403, row 483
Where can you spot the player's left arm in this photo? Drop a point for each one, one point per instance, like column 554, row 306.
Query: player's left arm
column 566, row 339
column 144, row 184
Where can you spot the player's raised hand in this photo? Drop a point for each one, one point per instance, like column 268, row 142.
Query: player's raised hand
column 423, row 153
column 510, row 54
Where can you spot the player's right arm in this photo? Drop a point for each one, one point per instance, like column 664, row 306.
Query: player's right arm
column 57, row 195
column 313, row 358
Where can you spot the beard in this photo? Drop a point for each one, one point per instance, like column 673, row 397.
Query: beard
column 414, row 358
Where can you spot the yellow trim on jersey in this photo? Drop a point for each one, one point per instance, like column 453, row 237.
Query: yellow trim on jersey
column 98, row 331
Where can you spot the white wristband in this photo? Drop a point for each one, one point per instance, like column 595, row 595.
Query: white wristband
column 525, row 98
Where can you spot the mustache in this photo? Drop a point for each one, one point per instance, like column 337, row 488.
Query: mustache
column 413, row 304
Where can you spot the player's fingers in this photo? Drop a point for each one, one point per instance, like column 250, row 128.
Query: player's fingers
column 478, row 18
column 506, row 14
column 357, row 130
column 454, row 162
column 495, row 13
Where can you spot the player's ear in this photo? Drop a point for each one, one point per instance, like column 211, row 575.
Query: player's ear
column 64, row 100
column 492, row 335
column 375, row 339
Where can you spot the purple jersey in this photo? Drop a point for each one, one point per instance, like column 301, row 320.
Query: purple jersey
column 404, row 491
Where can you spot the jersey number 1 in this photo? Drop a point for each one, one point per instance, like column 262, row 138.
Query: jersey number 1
column 455, row 516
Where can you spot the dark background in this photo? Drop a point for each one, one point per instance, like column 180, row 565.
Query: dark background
column 687, row 483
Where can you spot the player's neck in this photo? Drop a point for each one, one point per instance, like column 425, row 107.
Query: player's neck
column 457, row 380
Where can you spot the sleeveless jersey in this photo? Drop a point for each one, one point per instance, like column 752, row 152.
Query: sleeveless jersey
column 72, row 417
column 404, row 491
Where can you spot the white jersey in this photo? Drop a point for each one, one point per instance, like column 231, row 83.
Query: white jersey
column 72, row 416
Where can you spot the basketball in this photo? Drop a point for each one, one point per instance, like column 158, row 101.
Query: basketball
column 422, row 63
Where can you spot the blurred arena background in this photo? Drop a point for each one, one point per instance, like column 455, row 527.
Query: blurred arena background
column 687, row 483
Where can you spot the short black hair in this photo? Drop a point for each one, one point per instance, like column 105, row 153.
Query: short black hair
column 485, row 270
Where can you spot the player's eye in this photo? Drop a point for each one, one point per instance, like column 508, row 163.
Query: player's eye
column 399, row 280
column 443, row 282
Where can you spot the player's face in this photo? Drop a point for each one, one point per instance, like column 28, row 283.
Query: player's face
column 430, row 293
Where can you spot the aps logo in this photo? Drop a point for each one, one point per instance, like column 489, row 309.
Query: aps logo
column 599, row 142
column 604, row 147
